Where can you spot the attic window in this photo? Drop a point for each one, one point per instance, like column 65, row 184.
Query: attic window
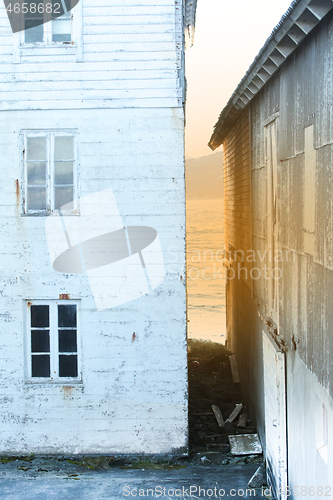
column 59, row 37
column 59, row 30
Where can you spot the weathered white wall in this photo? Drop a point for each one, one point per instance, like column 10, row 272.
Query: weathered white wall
column 133, row 398
column 306, row 427
column 121, row 87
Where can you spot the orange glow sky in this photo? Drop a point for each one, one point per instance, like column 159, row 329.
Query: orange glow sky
column 229, row 34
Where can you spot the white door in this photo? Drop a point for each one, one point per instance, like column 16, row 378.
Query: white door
column 275, row 417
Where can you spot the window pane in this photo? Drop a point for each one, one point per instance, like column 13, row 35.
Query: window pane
column 36, row 198
column 40, row 366
column 39, row 316
column 68, row 366
column 62, row 29
column 63, row 196
column 63, row 172
column 40, row 341
column 67, row 341
column 64, row 148
column 36, row 148
column 57, row 37
column 67, row 315
column 33, row 33
column 36, row 173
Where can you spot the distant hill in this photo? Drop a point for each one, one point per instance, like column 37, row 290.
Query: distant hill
column 204, row 177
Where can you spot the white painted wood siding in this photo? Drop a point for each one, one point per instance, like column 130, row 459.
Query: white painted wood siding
column 130, row 55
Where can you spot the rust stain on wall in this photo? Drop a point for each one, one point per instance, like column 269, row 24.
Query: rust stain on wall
column 64, row 296
column 67, row 391
column 17, row 184
column 133, row 337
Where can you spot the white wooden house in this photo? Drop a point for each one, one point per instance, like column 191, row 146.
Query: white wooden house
column 93, row 358
column 277, row 138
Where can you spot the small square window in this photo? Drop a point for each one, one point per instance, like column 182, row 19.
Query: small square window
column 40, row 316
column 50, row 167
column 40, row 341
column 67, row 366
column 40, row 366
column 53, row 341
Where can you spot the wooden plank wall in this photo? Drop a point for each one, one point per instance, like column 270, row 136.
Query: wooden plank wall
column 263, row 108
column 237, row 196
column 305, row 186
column 131, row 55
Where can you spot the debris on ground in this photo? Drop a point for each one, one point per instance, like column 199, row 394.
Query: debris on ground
column 259, row 478
column 235, row 413
column 218, row 415
column 215, row 411
column 246, row 444
column 242, row 421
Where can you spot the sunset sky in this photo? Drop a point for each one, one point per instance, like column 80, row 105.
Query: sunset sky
column 229, row 34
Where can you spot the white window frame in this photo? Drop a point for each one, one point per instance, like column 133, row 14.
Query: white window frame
column 47, row 28
column 54, row 349
column 74, row 47
column 50, row 135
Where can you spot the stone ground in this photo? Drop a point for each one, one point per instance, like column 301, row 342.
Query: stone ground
column 210, row 465
column 50, row 479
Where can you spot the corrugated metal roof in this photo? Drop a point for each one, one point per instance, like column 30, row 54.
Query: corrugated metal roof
column 299, row 20
column 189, row 21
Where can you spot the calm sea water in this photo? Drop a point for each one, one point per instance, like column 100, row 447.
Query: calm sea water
column 205, row 272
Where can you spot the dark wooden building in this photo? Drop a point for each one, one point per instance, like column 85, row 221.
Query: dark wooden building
column 277, row 136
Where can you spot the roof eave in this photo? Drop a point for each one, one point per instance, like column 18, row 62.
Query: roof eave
column 300, row 19
column 189, row 21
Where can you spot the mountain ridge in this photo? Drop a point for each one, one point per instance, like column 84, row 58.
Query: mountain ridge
column 204, row 177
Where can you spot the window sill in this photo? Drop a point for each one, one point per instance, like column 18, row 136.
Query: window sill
column 66, row 382
column 46, row 214
column 55, row 48
column 44, row 44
